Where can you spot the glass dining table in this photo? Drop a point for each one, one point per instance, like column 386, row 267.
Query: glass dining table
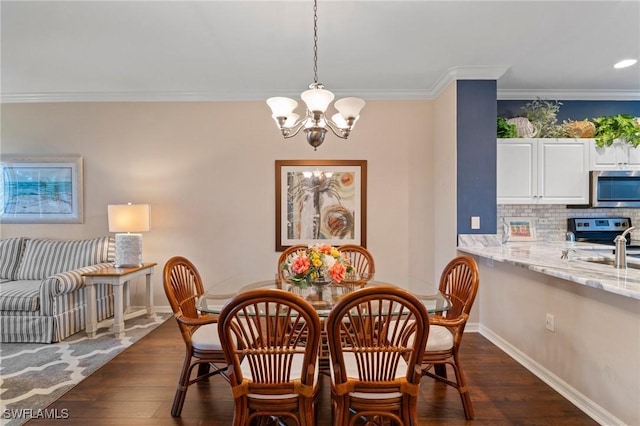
column 323, row 298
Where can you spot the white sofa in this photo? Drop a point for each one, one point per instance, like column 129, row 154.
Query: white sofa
column 41, row 287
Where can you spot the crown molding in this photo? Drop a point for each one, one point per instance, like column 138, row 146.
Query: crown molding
column 128, row 97
column 456, row 73
column 6, row 98
column 453, row 74
column 570, row 95
column 467, row 73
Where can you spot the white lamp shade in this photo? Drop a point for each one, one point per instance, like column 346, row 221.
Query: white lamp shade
column 339, row 121
column 291, row 120
column 349, row 107
column 128, row 217
column 282, row 107
column 317, row 99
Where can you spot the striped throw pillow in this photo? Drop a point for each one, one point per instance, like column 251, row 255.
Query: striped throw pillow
column 43, row 258
column 10, row 251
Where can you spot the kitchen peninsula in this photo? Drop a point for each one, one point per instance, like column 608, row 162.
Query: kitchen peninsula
column 573, row 322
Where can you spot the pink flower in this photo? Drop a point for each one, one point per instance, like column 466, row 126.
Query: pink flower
column 300, row 265
column 337, row 272
column 324, row 249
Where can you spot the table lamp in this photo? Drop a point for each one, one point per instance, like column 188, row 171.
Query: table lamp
column 132, row 219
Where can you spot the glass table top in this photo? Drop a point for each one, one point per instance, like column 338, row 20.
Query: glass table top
column 323, row 298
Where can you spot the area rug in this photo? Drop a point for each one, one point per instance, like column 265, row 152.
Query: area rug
column 33, row 375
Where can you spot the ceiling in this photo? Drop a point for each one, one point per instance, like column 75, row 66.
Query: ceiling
column 250, row 50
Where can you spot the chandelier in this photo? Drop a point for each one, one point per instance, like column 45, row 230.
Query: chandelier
column 317, row 100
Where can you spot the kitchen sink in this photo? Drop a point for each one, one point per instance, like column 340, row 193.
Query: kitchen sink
column 610, row 262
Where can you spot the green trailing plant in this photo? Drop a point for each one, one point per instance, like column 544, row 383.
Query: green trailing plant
column 621, row 126
column 506, row 130
column 543, row 115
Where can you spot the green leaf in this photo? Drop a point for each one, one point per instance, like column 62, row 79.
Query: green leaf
column 621, row 126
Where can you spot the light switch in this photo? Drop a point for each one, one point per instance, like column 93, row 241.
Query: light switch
column 475, row 222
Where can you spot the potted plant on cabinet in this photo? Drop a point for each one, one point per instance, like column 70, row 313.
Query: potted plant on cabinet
column 622, row 127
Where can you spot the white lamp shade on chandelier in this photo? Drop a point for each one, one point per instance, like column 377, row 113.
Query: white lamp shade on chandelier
column 128, row 220
column 317, row 100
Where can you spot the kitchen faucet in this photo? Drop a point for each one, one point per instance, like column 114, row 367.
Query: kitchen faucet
column 565, row 253
column 621, row 249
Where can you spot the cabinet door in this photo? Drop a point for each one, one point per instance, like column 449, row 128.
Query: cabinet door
column 563, row 172
column 634, row 158
column 619, row 156
column 516, row 164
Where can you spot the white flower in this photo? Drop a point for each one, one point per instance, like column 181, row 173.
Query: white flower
column 327, row 261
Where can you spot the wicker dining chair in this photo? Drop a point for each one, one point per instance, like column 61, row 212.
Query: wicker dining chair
column 361, row 259
column 459, row 281
column 377, row 337
column 182, row 285
column 270, row 339
column 282, row 274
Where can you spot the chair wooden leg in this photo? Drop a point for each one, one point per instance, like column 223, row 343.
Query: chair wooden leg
column 340, row 414
column 203, row 369
column 462, row 388
column 440, row 370
column 466, row 404
column 183, row 385
column 241, row 412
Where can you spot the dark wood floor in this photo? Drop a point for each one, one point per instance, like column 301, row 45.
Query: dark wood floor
column 137, row 388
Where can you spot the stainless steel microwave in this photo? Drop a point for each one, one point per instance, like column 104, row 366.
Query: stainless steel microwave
column 615, row 188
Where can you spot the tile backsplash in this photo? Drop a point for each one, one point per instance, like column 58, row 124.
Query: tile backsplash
column 551, row 220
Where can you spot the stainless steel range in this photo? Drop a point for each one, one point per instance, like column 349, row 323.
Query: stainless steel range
column 603, row 231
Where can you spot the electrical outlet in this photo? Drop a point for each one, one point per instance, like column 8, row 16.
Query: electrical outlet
column 550, row 322
column 475, row 222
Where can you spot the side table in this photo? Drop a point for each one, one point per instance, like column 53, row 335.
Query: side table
column 119, row 278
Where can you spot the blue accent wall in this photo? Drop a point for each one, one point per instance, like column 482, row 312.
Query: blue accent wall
column 476, row 151
column 575, row 110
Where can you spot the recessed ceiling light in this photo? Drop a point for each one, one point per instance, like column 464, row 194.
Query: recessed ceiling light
column 625, row 63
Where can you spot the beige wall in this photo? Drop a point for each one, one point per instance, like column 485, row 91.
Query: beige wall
column 595, row 349
column 445, row 179
column 207, row 170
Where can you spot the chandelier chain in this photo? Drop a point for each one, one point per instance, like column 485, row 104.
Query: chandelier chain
column 315, row 41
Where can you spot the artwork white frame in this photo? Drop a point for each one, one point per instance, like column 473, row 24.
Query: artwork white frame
column 41, row 189
column 521, row 228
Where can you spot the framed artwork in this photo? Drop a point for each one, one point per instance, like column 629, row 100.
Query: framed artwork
column 321, row 201
column 521, row 228
column 41, row 189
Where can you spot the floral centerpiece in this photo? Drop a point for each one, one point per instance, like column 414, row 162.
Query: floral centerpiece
column 317, row 263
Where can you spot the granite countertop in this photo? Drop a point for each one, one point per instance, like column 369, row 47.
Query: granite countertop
column 546, row 258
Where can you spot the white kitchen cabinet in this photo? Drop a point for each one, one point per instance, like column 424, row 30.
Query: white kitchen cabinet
column 542, row 171
column 619, row 156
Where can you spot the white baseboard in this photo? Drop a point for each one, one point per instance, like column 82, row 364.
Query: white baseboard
column 158, row 309
column 472, row 327
column 585, row 404
column 163, row 309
